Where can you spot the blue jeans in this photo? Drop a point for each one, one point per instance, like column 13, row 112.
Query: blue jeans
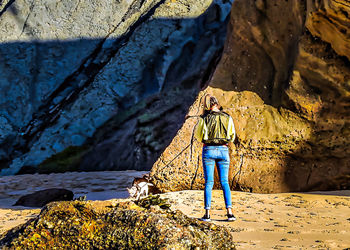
column 220, row 156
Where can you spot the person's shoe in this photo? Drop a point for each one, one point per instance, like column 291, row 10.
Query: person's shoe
column 231, row 217
column 205, row 218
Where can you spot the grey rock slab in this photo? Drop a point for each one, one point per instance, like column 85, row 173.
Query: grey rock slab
column 57, row 39
column 43, row 42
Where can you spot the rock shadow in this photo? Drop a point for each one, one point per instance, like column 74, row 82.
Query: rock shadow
column 105, row 103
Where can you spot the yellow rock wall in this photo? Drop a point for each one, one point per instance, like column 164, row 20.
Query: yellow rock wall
column 284, row 77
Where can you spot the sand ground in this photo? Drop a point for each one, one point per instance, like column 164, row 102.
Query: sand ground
column 277, row 221
column 264, row 221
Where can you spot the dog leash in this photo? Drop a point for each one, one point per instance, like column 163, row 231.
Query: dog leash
column 192, row 137
column 240, row 166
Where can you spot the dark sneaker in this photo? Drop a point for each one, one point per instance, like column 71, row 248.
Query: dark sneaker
column 231, row 217
column 205, row 218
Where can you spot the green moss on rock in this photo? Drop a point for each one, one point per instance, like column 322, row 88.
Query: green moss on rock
column 65, row 161
column 124, row 225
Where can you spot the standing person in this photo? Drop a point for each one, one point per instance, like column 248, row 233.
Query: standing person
column 215, row 129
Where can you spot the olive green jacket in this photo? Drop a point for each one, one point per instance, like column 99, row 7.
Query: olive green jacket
column 201, row 131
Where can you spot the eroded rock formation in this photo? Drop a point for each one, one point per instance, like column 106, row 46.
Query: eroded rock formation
column 68, row 67
column 111, row 225
column 285, row 78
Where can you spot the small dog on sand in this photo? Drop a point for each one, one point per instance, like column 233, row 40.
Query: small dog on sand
column 141, row 186
column 139, row 189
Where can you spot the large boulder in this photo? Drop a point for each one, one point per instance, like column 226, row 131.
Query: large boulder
column 79, row 73
column 111, row 225
column 284, row 77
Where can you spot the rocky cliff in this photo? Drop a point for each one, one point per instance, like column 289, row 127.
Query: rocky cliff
column 100, row 84
column 284, row 77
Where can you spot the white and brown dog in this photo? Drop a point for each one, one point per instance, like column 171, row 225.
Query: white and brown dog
column 140, row 187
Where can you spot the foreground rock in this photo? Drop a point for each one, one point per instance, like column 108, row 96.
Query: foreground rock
column 123, row 225
column 284, row 78
column 42, row 197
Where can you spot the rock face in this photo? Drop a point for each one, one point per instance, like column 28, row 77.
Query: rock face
column 124, row 225
column 42, row 197
column 284, row 77
column 76, row 73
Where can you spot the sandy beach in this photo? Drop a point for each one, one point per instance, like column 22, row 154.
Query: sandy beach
column 278, row 221
column 264, row 221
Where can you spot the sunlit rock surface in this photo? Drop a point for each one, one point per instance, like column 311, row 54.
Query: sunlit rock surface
column 68, row 67
column 284, row 77
column 116, row 225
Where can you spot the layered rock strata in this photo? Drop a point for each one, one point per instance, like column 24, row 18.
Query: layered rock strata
column 69, row 67
column 111, row 225
column 284, row 78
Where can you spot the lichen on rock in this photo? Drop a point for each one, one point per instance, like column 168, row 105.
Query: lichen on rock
column 111, row 225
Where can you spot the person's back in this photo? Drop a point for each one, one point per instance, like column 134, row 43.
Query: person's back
column 217, row 123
